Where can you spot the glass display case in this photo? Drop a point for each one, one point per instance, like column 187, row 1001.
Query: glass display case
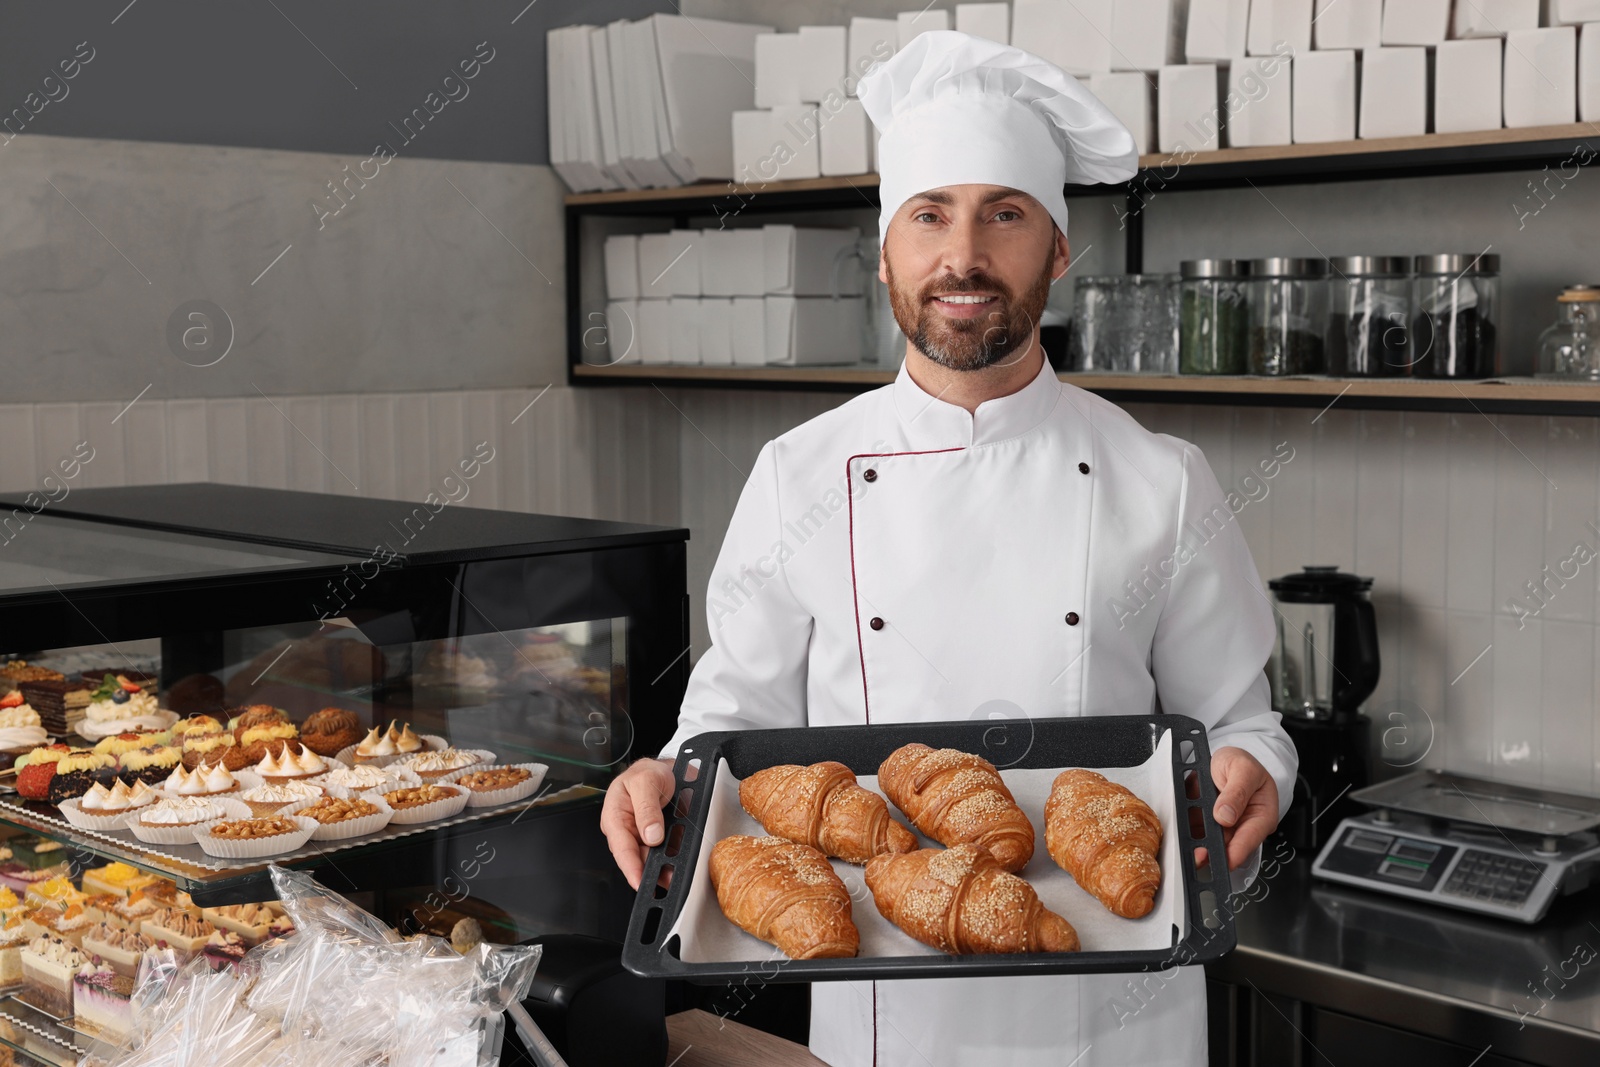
column 528, row 640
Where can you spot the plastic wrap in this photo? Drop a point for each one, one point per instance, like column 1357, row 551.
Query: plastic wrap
column 344, row 991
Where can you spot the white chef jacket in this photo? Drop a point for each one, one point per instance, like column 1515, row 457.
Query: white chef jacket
column 898, row 559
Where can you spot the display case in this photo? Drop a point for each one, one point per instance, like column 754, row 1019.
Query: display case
column 532, row 640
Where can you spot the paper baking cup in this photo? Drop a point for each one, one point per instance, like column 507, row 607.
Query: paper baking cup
column 439, row 809
column 430, row 743
column 510, row 794
column 85, row 820
column 185, row 835
column 256, row 847
column 343, row 831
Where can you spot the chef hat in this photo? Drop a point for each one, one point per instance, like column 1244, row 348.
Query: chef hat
column 954, row 109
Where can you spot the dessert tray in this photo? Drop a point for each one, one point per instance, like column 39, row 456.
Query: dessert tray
column 680, row 931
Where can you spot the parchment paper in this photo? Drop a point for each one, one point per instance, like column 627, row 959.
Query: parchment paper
column 707, row 936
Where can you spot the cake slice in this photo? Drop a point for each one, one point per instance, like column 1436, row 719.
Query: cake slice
column 120, row 879
column 103, row 1001
column 252, row 922
column 16, row 877
column 116, row 945
column 224, row 948
column 12, row 942
column 57, row 891
column 185, row 934
column 48, row 967
column 66, row 924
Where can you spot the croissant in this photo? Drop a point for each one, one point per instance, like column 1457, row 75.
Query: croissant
column 822, row 806
column 1106, row 838
column 961, row 901
column 955, row 797
column 784, row 893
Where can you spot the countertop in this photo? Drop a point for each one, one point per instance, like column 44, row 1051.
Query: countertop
column 700, row 1039
column 1431, row 970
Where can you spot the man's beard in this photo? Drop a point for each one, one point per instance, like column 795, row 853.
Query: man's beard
column 970, row 344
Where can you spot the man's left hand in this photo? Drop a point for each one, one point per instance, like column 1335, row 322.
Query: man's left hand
column 1247, row 802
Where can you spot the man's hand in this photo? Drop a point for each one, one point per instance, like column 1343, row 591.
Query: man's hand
column 1247, row 802
column 631, row 815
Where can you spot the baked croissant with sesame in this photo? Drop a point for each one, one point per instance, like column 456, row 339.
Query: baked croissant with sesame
column 1106, row 838
column 955, row 797
column 822, row 806
column 961, row 901
column 784, row 893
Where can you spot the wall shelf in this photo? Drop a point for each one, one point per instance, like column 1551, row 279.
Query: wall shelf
column 1504, row 396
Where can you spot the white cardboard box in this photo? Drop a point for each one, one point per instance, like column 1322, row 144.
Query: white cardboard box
column 1278, row 26
column 728, row 259
column 752, row 147
column 1349, row 24
column 1574, row 12
column 1324, row 96
column 800, row 260
column 910, row 23
column 1589, row 73
column 1259, row 102
column 747, row 331
column 870, row 41
column 845, row 144
column 1466, row 85
column 1217, row 30
column 665, row 264
column 778, row 63
column 1075, row 35
column 822, row 51
column 1394, row 92
column 702, row 69
column 1187, row 116
column 622, row 266
column 716, row 321
column 807, row 331
column 654, row 339
column 684, row 313
column 683, row 275
column 1413, row 22
column 622, row 340
column 1146, row 34
column 1494, row 18
column 989, row 21
column 1127, row 94
column 1541, row 77
column 795, row 131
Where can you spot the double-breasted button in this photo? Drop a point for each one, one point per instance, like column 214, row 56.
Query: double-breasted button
column 876, row 623
column 1083, row 468
column 869, row 475
column 1072, row 618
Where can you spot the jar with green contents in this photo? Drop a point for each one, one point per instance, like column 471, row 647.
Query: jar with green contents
column 1213, row 320
column 1288, row 315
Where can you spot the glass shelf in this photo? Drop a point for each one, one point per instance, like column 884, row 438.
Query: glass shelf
column 45, row 1039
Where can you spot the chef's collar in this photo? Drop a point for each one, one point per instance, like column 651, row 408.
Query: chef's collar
column 929, row 422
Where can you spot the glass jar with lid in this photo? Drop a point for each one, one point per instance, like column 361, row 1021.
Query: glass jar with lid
column 1288, row 315
column 1124, row 322
column 1456, row 307
column 1369, row 316
column 1213, row 312
column 1571, row 348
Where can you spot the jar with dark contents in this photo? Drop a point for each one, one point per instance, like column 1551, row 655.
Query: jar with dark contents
column 1369, row 317
column 1213, row 317
column 1288, row 315
column 1454, row 333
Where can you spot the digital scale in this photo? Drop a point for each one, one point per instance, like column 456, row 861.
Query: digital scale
column 1489, row 847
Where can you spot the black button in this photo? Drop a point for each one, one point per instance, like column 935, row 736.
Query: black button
column 870, row 475
column 1083, row 468
column 876, row 623
column 1072, row 618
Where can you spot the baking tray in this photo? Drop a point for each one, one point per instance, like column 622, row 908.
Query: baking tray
column 1207, row 933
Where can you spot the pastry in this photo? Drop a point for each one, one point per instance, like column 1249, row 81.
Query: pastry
column 290, row 765
column 374, row 747
column 76, row 771
column 250, row 922
column 330, row 810
column 261, row 738
column 961, row 901
column 57, row 891
column 102, row 801
column 496, row 778
column 271, row 797
column 149, row 765
column 112, row 703
column 117, row 744
column 224, row 948
column 282, row 926
column 211, row 748
column 117, row 945
column 12, row 942
column 36, row 769
column 59, row 701
column 197, row 724
column 67, row 924
column 257, row 715
column 407, row 742
column 432, row 765
column 955, row 797
column 330, row 731
column 48, row 967
column 20, row 726
column 1106, row 838
column 203, row 781
column 822, row 806
column 131, row 680
column 185, row 934
column 255, row 829
column 786, row 894
column 17, row 671
column 101, row 907
column 130, row 914
column 182, row 811
column 417, row 796
column 356, row 779
column 10, row 904
column 119, row 879
column 102, row 999
column 20, row 878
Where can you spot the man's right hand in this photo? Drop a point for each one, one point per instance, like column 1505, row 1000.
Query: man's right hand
column 631, row 816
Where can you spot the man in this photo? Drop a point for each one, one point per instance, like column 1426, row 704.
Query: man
column 949, row 547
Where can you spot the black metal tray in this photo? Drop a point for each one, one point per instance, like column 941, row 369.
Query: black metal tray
column 1099, row 741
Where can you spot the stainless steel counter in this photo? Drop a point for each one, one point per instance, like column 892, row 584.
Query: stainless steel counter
column 1531, row 992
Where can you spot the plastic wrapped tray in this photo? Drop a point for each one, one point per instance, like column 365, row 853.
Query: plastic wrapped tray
column 677, row 931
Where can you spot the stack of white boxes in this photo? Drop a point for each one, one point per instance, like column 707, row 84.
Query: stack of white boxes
column 758, row 296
